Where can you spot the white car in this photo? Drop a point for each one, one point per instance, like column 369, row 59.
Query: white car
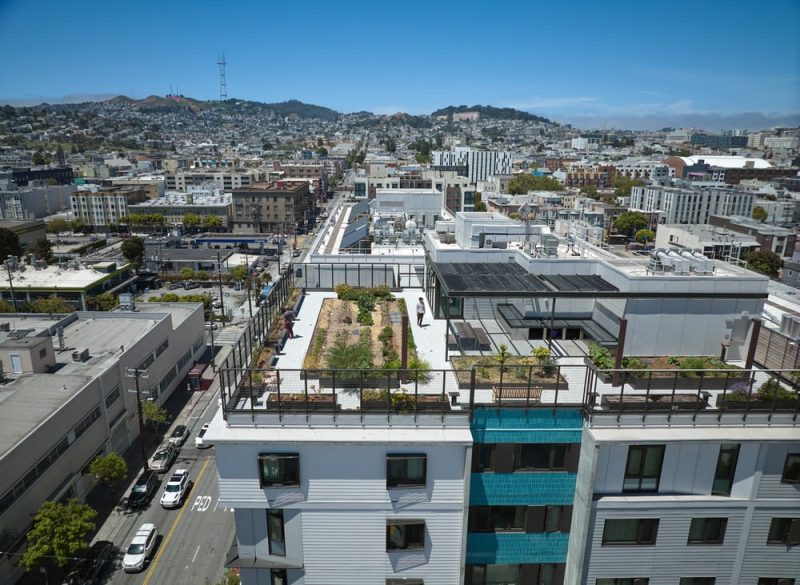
column 176, row 489
column 140, row 548
column 199, row 439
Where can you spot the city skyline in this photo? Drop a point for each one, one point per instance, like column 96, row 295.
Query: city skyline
column 594, row 64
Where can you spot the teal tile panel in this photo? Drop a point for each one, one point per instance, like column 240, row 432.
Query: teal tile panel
column 522, row 489
column 516, row 547
column 526, row 425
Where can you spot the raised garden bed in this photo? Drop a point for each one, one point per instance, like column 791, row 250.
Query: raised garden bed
column 297, row 402
column 402, row 402
column 640, row 402
column 517, row 369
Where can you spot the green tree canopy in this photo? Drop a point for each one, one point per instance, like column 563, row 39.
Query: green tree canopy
column 479, row 204
column 51, row 305
column 6, row 307
column 212, row 221
column 589, row 191
column 186, row 273
column 9, row 244
column 623, row 185
column 390, row 144
column 192, row 220
column 42, row 248
column 759, row 213
column 237, row 273
column 133, row 250
column 322, row 151
column 521, row 184
column 59, row 531
column 78, row 225
column 153, row 413
column 765, row 261
column 645, row 236
column 630, row 222
column 58, row 225
column 102, row 302
column 109, row 469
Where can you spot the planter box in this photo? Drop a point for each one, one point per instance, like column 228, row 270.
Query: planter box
column 545, row 384
column 297, row 402
column 604, row 377
column 655, row 402
column 756, row 404
column 326, row 380
column 661, row 382
column 424, row 404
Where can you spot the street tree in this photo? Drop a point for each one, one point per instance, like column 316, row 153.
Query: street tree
column 109, row 469
column 42, row 249
column 623, row 185
column 102, row 302
column 759, row 213
column 213, row 222
column 58, row 225
column 645, row 236
column 630, row 222
column 765, row 261
column 6, row 307
column 51, row 305
column 192, row 221
column 9, row 244
column 237, row 273
column 133, row 250
column 59, row 531
column 522, row 184
column 154, row 414
column 186, row 273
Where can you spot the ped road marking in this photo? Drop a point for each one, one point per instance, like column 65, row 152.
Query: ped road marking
column 168, row 537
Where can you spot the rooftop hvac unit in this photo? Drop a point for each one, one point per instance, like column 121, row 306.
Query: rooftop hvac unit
column 80, row 355
column 5, row 326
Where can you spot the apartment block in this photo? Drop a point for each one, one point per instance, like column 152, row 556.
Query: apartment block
column 689, row 203
column 481, row 164
column 35, row 200
column 269, row 208
column 103, row 207
column 220, row 178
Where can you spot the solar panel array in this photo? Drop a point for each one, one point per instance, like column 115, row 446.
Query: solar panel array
column 354, row 233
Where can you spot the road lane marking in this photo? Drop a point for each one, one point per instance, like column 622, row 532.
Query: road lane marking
column 202, row 503
column 172, row 528
column 195, row 553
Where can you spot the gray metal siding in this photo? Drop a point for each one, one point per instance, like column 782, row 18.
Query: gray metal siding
column 763, row 560
column 770, row 485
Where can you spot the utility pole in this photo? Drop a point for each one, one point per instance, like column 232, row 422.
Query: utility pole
column 211, row 329
column 219, row 273
column 11, row 284
column 136, row 374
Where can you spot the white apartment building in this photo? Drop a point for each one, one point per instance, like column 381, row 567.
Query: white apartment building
column 102, row 208
column 786, row 142
column 481, row 163
column 203, row 202
column 644, row 169
column 689, row 203
column 423, row 206
column 223, row 179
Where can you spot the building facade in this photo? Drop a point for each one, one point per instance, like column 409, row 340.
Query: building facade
column 689, row 203
column 102, row 208
column 481, row 164
column 271, row 208
column 223, row 179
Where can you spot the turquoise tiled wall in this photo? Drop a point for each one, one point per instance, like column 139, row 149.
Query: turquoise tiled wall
column 516, row 547
column 527, row 425
column 517, row 489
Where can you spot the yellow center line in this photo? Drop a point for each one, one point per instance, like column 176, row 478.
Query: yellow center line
column 172, row 528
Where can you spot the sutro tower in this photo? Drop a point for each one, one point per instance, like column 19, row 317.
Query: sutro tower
column 223, row 90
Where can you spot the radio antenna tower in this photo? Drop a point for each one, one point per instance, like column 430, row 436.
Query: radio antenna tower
column 223, row 90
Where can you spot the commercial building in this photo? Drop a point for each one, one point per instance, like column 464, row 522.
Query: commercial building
column 35, row 200
column 771, row 238
column 782, row 212
column 219, row 178
column 68, row 398
column 27, row 231
column 174, row 205
column 643, row 169
column 782, row 142
column 686, row 202
column 719, row 140
column 23, row 176
column 791, row 269
column 423, row 206
column 272, row 208
column 481, row 164
column 102, row 207
column 728, row 169
column 711, row 241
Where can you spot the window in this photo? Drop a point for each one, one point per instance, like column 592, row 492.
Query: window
column 791, row 469
column 535, row 457
column 698, row 580
column 639, row 531
column 623, row 581
column 279, row 469
column 43, row 352
column 493, row 574
column 483, row 458
column 275, row 533
column 726, row 468
column 497, row 518
column 643, row 469
column 112, row 397
column 405, row 470
column 775, row 581
column 784, row 531
column 162, row 348
column 552, row 518
column 405, row 534
column 405, row 582
column 87, row 421
column 707, row 530
column 278, row 577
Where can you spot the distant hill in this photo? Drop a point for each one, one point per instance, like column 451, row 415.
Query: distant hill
column 156, row 103
column 490, row 112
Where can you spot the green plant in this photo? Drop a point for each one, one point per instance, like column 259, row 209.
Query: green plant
column 601, row 357
column 342, row 291
column 634, row 363
column 773, row 390
column 674, row 361
column 386, row 334
column 357, row 356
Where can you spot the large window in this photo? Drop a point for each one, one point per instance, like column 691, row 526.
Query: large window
column 279, row 469
column 726, row 468
column 278, row 577
column 623, row 581
column 275, row 533
column 542, row 574
column 405, row 534
column 643, row 470
column 775, row 581
column 791, row 468
column 707, row 530
column 497, row 518
column 698, row 580
column 483, row 457
column 784, row 531
column 405, row 470
column 630, row 532
column 537, row 457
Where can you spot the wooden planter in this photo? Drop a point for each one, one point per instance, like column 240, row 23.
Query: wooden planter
column 536, row 382
column 604, row 377
column 425, row 403
column 326, row 380
column 297, row 402
column 757, row 404
column 662, row 381
column 655, row 402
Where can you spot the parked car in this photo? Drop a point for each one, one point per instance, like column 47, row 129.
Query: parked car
column 140, row 548
column 178, row 436
column 91, row 568
column 191, row 285
column 211, row 325
column 217, row 304
column 163, row 458
column 174, row 285
column 176, row 489
column 143, row 489
column 199, row 441
column 296, row 253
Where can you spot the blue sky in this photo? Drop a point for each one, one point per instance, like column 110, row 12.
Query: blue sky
column 605, row 59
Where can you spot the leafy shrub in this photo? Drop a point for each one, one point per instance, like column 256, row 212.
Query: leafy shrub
column 356, row 356
column 382, row 292
column 634, row 363
column 386, row 334
column 343, row 291
column 773, row 390
column 674, row 361
column 601, row 357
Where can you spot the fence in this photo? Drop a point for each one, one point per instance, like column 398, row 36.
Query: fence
column 322, row 276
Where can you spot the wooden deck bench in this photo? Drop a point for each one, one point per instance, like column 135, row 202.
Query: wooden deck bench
column 482, row 339
column 516, row 392
column 466, row 336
